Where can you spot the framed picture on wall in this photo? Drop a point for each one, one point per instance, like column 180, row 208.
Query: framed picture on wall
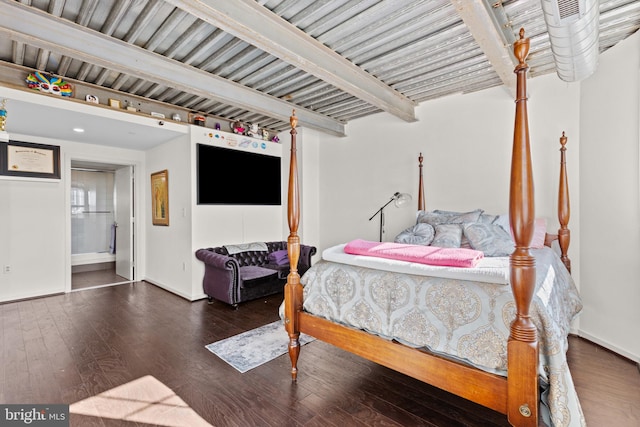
column 27, row 159
column 160, row 198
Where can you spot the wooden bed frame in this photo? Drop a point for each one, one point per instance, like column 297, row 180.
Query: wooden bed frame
column 516, row 395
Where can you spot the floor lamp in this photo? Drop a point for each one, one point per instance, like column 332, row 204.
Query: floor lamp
column 399, row 199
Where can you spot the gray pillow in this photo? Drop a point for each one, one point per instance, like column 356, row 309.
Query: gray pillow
column 419, row 234
column 447, row 217
column 447, row 236
column 491, row 239
column 503, row 221
column 487, row 218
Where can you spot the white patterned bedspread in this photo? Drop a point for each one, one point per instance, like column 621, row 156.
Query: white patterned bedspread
column 464, row 319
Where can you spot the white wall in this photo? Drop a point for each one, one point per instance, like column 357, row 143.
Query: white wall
column 35, row 222
column 33, row 235
column 466, row 143
column 610, row 204
column 168, row 248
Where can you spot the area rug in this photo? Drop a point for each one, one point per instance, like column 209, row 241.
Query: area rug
column 251, row 349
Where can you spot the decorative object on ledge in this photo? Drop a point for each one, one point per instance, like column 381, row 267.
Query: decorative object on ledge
column 275, row 139
column 265, row 134
column 48, row 84
column 199, row 121
column 3, row 116
column 160, row 198
column 253, row 131
column 26, row 159
column 114, row 103
column 238, row 127
column 92, row 99
column 128, row 105
column 158, row 115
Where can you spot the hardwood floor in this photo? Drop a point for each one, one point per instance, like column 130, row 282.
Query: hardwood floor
column 133, row 355
column 90, row 279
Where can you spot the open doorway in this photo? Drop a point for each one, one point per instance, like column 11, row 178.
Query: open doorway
column 101, row 197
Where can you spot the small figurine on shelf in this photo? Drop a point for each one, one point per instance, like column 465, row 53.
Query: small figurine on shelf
column 238, row 127
column 3, row 116
column 265, row 134
column 198, row 120
column 217, row 126
column 275, row 138
column 253, row 130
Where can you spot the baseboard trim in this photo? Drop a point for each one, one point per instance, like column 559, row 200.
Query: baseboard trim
column 608, row 346
column 167, row 288
column 29, row 297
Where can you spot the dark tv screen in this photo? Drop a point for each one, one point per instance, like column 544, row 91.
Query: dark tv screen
column 234, row 177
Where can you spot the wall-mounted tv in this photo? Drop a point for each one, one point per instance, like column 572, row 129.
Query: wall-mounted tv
column 235, row 177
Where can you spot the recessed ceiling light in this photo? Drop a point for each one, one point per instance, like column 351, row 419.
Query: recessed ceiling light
column 79, row 130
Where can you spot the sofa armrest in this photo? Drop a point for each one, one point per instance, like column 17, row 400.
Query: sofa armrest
column 216, row 260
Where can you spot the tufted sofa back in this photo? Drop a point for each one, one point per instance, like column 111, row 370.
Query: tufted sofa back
column 252, row 257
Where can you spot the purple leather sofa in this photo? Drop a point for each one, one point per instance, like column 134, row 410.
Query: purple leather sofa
column 248, row 275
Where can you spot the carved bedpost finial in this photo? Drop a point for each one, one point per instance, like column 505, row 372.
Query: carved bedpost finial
column 521, row 50
column 293, row 119
column 563, row 141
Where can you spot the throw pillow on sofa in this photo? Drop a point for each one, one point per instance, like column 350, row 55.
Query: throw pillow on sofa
column 280, row 257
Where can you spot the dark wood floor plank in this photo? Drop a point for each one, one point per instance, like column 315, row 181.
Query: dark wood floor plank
column 16, row 380
column 369, row 385
column 75, row 346
column 597, row 373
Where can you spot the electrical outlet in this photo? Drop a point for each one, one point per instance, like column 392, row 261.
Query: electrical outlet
column 6, row 269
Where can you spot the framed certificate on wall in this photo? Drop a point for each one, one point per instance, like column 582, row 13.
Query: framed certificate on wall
column 27, row 159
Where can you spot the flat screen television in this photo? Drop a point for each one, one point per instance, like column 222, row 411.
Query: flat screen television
column 235, row 177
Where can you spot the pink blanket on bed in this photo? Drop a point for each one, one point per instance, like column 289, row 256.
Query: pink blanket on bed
column 451, row 257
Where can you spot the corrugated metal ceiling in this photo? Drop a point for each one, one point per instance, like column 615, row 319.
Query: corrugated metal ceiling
column 422, row 49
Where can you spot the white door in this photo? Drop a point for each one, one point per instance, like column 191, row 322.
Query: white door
column 124, row 222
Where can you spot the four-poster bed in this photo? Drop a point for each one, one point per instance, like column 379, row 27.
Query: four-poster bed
column 516, row 395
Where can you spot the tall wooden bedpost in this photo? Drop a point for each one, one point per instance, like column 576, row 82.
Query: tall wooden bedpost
column 522, row 375
column 564, row 209
column 293, row 288
column 421, row 204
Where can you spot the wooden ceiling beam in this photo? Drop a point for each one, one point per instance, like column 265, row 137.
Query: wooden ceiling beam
column 36, row 28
